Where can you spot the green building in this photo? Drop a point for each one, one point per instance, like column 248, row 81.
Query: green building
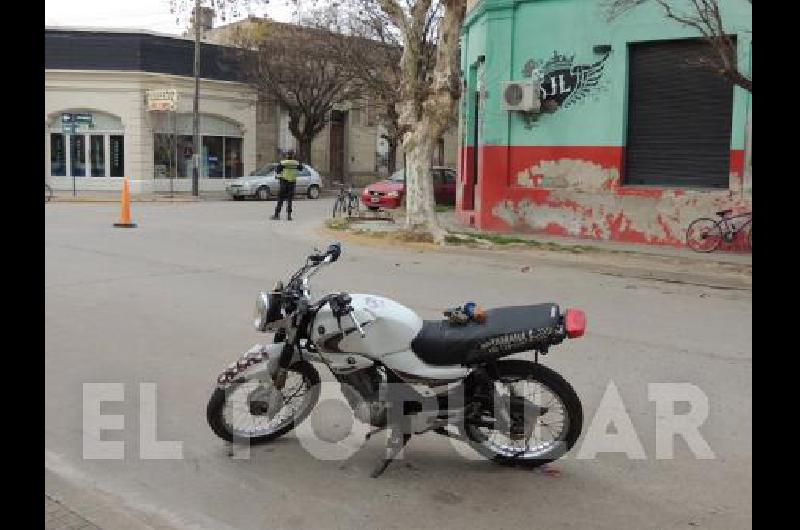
column 574, row 124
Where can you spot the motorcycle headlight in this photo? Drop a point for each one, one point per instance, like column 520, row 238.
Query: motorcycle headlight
column 262, row 312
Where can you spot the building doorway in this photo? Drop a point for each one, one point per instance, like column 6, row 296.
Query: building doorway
column 472, row 182
column 337, row 146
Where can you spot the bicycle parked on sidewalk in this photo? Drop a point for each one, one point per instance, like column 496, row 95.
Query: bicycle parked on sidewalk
column 48, row 192
column 705, row 235
column 346, row 202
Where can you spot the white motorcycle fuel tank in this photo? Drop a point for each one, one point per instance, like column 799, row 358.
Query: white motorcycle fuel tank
column 389, row 327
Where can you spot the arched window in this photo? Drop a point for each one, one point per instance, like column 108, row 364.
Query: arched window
column 86, row 143
column 221, row 141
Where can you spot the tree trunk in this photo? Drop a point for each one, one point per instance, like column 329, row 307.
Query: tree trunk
column 420, row 204
column 304, row 148
column 392, row 161
column 428, row 118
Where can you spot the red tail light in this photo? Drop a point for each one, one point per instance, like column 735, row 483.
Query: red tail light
column 574, row 323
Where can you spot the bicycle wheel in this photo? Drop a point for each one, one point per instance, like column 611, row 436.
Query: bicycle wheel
column 338, row 206
column 703, row 235
column 353, row 206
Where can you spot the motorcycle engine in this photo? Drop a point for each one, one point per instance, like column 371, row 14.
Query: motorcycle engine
column 361, row 388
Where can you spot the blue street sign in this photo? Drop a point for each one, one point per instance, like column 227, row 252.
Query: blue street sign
column 66, row 118
column 83, row 118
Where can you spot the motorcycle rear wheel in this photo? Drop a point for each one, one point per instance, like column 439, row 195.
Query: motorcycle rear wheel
column 483, row 440
column 223, row 400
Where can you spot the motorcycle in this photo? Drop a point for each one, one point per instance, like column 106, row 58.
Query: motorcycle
column 403, row 374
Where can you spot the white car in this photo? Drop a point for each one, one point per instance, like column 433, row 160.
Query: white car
column 263, row 184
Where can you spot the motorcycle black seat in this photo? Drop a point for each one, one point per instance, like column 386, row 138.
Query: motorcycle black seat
column 507, row 330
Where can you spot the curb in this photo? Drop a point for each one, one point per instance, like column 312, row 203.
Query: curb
column 76, row 500
column 103, row 200
column 669, row 269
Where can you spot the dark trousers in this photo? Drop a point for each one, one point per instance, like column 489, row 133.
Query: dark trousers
column 285, row 194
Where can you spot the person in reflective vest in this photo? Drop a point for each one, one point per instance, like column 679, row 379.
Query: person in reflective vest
column 287, row 171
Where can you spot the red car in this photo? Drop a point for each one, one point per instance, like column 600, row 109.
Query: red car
column 388, row 194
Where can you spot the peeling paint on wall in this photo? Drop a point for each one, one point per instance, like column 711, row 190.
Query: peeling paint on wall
column 577, row 191
column 632, row 218
column 567, row 173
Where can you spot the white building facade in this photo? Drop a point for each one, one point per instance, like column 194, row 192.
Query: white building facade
column 102, row 77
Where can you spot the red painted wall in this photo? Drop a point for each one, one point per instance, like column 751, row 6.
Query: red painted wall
column 585, row 203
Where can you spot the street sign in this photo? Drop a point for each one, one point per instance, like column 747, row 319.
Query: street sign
column 164, row 99
column 83, row 118
column 68, row 128
column 66, row 118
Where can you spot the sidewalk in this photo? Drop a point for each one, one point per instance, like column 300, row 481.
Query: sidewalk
column 59, row 517
column 719, row 270
column 74, row 502
column 114, row 196
column 449, row 222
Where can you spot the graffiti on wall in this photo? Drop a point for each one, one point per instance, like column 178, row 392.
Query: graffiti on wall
column 563, row 83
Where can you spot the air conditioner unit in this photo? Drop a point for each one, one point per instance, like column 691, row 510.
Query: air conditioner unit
column 521, row 96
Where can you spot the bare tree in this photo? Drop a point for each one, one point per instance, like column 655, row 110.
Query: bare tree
column 428, row 96
column 705, row 17
column 428, row 83
column 371, row 50
column 295, row 66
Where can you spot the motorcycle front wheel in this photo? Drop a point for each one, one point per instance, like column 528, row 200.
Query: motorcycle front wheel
column 250, row 411
column 544, row 416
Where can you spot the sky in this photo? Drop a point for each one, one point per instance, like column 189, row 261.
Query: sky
column 151, row 15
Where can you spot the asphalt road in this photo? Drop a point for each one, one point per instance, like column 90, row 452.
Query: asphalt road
column 170, row 303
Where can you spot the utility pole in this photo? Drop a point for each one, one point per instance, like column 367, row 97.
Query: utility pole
column 196, row 105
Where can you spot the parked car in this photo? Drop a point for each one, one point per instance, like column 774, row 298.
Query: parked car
column 263, row 184
column 388, row 194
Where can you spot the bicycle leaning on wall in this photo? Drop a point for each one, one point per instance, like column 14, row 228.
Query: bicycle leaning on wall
column 705, row 235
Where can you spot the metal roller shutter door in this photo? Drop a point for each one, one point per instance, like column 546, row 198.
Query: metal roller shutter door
column 679, row 117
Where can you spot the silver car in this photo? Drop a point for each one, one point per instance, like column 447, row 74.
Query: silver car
column 263, row 184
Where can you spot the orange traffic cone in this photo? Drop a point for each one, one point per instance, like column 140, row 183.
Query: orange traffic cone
column 125, row 208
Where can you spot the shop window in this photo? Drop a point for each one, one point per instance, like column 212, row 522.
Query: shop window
column 117, row 149
column 97, row 155
column 58, row 156
column 90, row 150
column 233, row 158
column 77, row 153
column 213, row 156
column 220, row 140
column 164, row 156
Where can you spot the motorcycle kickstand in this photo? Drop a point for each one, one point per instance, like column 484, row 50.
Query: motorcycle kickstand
column 373, row 432
column 397, row 440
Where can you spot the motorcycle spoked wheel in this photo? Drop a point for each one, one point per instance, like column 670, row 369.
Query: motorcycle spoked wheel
column 559, row 424
column 302, row 382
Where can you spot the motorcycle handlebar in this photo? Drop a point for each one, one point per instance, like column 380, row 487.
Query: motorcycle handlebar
column 331, row 254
